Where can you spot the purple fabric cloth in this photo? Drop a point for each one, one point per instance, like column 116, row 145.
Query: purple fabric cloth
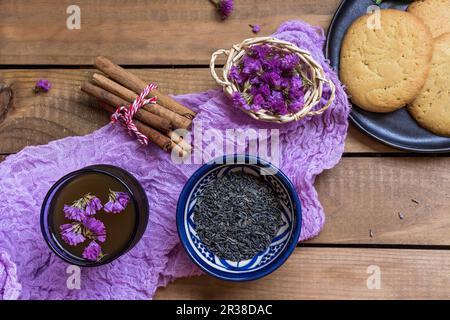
column 28, row 269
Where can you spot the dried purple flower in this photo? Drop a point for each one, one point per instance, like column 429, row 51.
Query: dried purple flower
column 269, row 78
column 224, row 7
column 94, row 229
column 289, row 62
column 93, row 252
column 255, row 28
column 260, row 51
column 239, row 101
column 265, row 90
column 272, row 78
column 278, row 103
column 87, row 205
column 234, row 74
column 74, row 213
column 296, row 89
column 258, row 100
column 72, row 233
column 93, row 206
column 296, row 105
column 117, row 202
column 251, row 65
column 42, row 85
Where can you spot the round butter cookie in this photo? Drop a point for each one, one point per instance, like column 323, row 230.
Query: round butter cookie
column 385, row 62
column 431, row 108
column 434, row 13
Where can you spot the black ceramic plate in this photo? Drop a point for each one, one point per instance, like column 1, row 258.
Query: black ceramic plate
column 397, row 129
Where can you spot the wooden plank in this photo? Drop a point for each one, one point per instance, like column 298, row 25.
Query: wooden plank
column 369, row 192
column 363, row 194
column 140, row 31
column 332, row 273
column 386, row 201
column 64, row 111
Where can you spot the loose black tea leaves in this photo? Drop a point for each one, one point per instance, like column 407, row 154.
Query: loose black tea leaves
column 237, row 216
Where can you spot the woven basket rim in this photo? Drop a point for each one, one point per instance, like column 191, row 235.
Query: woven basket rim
column 313, row 94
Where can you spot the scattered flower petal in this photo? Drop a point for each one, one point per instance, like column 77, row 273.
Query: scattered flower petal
column 42, row 85
column 255, row 28
column 224, row 7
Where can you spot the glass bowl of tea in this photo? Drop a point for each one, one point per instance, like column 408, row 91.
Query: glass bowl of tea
column 93, row 216
column 239, row 217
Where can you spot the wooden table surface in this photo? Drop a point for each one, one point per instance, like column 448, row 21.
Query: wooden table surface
column 170, row 42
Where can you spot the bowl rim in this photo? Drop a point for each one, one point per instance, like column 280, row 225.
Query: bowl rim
column 117, row 174
column 184, row 196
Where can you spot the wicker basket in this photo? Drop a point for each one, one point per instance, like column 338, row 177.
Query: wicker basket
column 316, row 78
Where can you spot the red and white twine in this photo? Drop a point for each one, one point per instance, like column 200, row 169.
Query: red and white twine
column 125, row 114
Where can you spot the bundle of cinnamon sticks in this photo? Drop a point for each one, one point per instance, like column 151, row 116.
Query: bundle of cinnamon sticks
column 118, row 87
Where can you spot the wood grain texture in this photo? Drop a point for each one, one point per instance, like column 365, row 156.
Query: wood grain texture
column 332, row 273
column 161, row 32
column 394, row 199
column 63, row 111
column 363, row 194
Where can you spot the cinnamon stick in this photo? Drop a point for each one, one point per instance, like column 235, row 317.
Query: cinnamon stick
column 110, row 100
column 175, row 119
column 133, row 82
column 151, row 119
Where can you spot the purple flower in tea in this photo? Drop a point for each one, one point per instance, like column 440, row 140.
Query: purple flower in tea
column 72, row 233
column 93, row 252
column 87, row 205
column 117, row 201
column 74, row 213
column 94, row 229
column 42, row 85
column 224, row 7
column 93, row 206
column 255, row 28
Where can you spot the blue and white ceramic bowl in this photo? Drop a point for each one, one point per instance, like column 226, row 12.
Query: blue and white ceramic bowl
column 264, row 262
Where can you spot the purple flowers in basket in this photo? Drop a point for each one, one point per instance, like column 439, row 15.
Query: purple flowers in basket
column 84, row 226
column 271, row 79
